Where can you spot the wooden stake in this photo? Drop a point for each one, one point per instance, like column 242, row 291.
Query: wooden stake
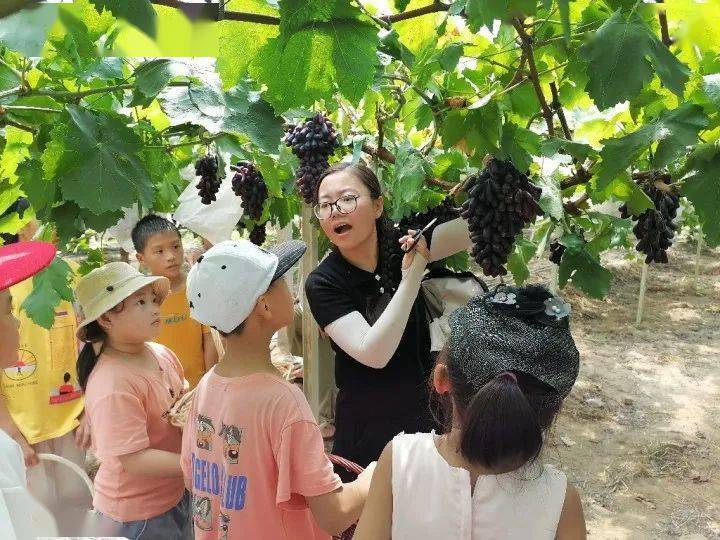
column 698, row 252
column 310, row 331
column 641, row 299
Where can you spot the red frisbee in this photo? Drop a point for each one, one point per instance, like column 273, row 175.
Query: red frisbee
column 22, row 260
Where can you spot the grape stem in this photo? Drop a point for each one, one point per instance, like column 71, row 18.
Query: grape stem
column 664, row 32
column 386, row 155
column 526, row 44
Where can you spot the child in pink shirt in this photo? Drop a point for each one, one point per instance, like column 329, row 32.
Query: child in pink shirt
column 252, row 453
column 130, row 385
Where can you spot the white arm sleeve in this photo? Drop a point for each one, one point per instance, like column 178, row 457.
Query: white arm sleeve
column 449, row 238
column 375, row 345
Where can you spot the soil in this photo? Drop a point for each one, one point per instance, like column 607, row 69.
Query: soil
column 639, row 435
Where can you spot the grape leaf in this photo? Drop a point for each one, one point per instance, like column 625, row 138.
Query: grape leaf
column 14, row 29
column 99, row 169
column 450, row 56
column 137, row 12
column 612, row 233
column 239, row 42
column 250, row 114
column 401, row 5
column 553, row 145
column 49, row 287
column 583, row 269
column 551, row 200
column 407, row 181
column 564, row 9
column 702, row 188
column 673, row 131
column 150, row 78
column 484, row 12
column 523, row 251
column 623, row 56
column 40, row 191
column 341, row 52
column 519, row 145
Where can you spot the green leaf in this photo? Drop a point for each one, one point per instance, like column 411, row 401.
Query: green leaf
column 460, row 262
column 551, row 200
column 450, row 56
column 401, row 5
column 673, row 131
column 703, row 190
column 390, row 44
column 484, row 12
column 554, row 145
column 711, row 86
column 523, row 252
column 481, row 129
column 239, row 42
column 49, row 287
column 250, row 114
column 339, row 52
column 40, row 192
column 612, row 233
column 200, row 104
column 14, row 29
column 564, row 9
column 407, row 182
column 622, row 58
column 519, row 145
column 99, row 169
column 150, row 78
column 580, row 267
column 137, row 12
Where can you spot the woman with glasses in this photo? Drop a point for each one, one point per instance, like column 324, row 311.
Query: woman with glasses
column 364, row 295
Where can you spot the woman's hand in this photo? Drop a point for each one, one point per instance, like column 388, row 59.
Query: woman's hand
column 407, row 243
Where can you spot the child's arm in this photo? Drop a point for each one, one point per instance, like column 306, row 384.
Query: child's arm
column 152, row 462
column 336, row 511
column 210, row 354
column 7, row 424
column 572, row 520
column 376, row 520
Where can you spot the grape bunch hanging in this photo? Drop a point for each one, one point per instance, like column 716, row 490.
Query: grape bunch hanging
column 501, row 202
column 556, row 252
column 249, row 185
column 655, row 228
column 444, row 212
column 313, row 141
column 258, row 234
column 207, row 169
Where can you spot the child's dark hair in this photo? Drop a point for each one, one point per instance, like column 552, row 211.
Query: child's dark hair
column 389, row 252
column 87, row 359
column 148, row 226
column 502, row 423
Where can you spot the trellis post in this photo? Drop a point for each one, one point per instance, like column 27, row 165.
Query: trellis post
column 310, row 332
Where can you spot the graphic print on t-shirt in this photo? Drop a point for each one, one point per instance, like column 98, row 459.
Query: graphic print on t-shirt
column 205, row 431
column 232, row 437
column 67, row 391
column 224, row 526
column 23, row 368
column 202, row 513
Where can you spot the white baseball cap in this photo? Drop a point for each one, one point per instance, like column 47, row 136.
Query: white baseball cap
column 225, row 283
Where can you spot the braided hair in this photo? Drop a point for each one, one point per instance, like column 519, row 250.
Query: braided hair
column 389, row 253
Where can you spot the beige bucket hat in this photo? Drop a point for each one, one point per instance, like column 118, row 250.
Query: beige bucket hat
column 107, row 286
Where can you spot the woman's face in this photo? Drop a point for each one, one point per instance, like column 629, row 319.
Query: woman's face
column 347, row 231
column 9, row 331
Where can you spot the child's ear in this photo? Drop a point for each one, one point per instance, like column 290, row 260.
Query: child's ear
column 104, row 322
column 262, row 308
column 140, row 257
column 441, row 379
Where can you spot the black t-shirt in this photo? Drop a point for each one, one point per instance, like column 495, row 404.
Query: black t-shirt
column 336, row 288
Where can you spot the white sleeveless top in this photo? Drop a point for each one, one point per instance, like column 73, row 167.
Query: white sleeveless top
column 432, row 500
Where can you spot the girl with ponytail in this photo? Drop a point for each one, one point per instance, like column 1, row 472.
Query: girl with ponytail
column 508, row 365
column 364, row 295
column 130, row 384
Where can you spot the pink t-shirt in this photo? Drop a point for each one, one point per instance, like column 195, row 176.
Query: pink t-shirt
column 128, row 408
column 252, row 452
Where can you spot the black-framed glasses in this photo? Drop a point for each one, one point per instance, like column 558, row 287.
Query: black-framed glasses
column 345, row 205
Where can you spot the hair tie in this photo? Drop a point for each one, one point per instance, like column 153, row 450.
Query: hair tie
column 509, row 376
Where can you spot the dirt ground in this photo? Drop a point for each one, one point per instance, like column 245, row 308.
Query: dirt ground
column 640, row 433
